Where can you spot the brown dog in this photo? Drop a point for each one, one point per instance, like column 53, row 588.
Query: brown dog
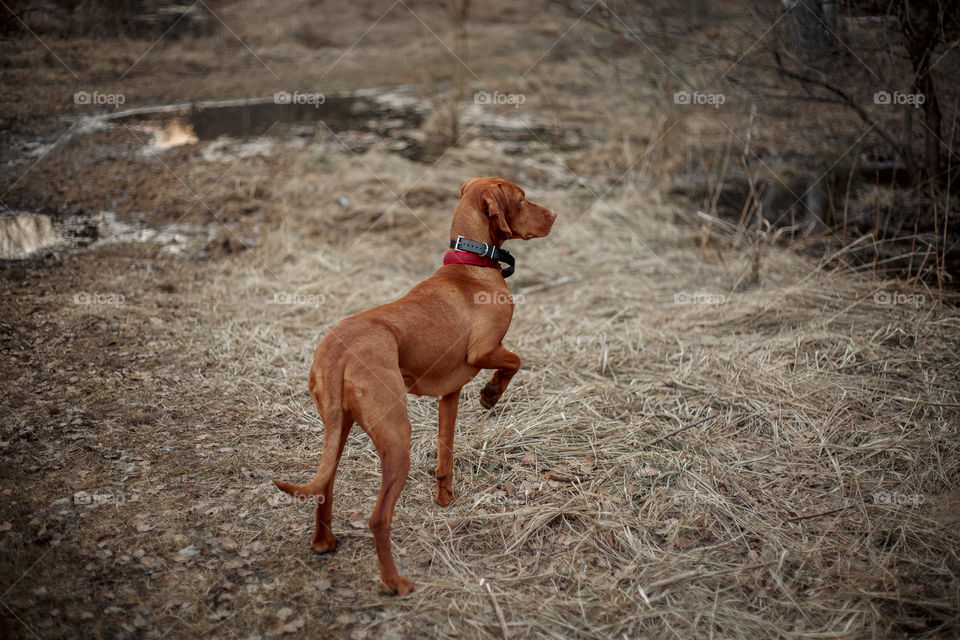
column 431, row 342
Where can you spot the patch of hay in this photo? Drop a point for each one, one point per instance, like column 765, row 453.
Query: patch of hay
column 23, row 233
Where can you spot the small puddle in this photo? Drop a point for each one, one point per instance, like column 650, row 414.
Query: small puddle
column 393, row 117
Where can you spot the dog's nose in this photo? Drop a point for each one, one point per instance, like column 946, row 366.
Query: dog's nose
column 551, row 216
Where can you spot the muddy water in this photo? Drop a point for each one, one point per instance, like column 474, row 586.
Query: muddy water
column 392, row 116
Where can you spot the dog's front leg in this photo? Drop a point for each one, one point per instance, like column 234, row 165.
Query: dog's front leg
column 506, row 364
column 448, row 420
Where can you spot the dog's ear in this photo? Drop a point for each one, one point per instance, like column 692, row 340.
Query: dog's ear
column 497, row 205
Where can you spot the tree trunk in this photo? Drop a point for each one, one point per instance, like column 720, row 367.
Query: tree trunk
column 922, row 32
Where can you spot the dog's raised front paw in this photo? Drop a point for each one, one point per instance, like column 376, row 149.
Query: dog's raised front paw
column 490, row 395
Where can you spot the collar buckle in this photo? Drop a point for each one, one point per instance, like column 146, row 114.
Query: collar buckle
column 460, row 245
column 489, row 251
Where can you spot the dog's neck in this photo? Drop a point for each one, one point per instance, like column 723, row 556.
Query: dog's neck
column 470, row 222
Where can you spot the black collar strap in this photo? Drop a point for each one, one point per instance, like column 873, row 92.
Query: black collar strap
column 487, row 251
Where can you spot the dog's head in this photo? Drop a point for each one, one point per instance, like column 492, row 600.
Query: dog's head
column 511, row 216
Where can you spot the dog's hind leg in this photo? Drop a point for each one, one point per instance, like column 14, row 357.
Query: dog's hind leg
column 383, row 415
column 395, row 465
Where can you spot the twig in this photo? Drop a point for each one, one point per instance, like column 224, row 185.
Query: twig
column 560, row 476
column 817, row 515
column 675, row 432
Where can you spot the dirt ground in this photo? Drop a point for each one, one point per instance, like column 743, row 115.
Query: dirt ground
column 155, row 363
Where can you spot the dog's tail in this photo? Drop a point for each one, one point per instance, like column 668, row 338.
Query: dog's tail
column 328, row 396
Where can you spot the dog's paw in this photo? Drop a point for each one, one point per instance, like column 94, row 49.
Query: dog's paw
column 400, row 587
column 443, row 496
column 324, row 545
column 490, row 395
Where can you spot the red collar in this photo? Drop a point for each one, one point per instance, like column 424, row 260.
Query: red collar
column 463, row 257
